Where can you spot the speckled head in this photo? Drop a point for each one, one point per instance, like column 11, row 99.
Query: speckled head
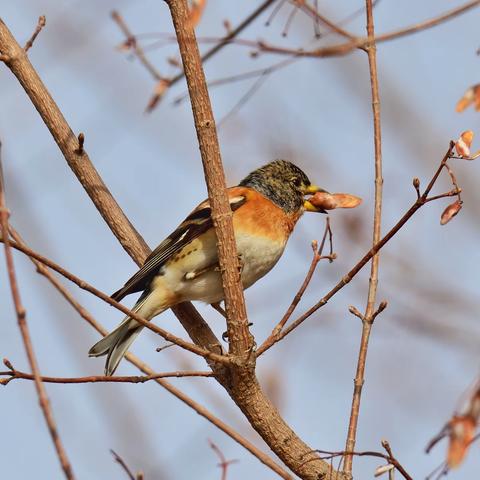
column 280, row 181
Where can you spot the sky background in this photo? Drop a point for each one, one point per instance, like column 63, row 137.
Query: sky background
column 316, row 113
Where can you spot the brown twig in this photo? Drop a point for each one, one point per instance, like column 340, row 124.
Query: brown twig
column 265, row 459
column 16, row 374
column 169, row 337
column 318, row 17
column 346, row 279
column 41, row 23
column 123, row 464
column 240, row 340
column 224, row 463
column 388, row 457
column 317, row 256
column 227, row 40
column 168, row 82
column 27, row 340
column 132, row 43
column 370, row 313
column 361, row 42
column 81, row 165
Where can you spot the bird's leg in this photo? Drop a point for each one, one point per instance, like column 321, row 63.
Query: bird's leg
column 219, row 308
column 215, row 267
column 192, row 275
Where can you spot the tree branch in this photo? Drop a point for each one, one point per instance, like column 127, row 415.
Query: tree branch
column 240, row 340
column 16, row 374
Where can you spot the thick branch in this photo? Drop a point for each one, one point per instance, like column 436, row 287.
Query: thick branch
column 240, row 340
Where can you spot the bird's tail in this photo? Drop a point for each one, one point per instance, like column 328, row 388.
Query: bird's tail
column 117, row 342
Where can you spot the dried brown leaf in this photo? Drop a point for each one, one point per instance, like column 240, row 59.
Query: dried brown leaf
column 462, row 431
column 463, row 144
column 471, row 96
column 450, row 212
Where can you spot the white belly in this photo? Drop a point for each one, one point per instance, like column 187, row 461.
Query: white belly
column 257, row 259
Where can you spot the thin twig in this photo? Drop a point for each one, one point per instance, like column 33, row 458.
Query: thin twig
column 41, row 23
column 16, row 374
column 368, row 317
column 27, row 340
column 317, row 256
column 318, row 17
column 123, row 464
column 388, row 457
column 227, row 40
column 220, row 43
column 135, row 47
column 224, row 463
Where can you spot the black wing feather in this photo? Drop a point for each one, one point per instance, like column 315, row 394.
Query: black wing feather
column 198, row 222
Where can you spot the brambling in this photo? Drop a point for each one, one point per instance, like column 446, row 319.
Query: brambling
column 266, row 205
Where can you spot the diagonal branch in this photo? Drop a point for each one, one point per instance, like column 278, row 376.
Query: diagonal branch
column 27, row 340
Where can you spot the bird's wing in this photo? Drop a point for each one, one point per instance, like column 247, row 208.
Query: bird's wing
column 198, row 222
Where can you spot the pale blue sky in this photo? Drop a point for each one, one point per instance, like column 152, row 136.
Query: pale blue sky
column 424, row 347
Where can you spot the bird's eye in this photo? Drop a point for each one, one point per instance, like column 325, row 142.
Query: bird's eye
column 297, row 181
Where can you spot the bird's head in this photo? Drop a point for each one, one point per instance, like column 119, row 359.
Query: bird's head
column 285, row 184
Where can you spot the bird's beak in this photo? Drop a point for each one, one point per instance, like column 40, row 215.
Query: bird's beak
column 311, row 190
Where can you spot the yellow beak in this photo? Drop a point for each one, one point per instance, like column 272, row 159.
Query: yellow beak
column 311, row 190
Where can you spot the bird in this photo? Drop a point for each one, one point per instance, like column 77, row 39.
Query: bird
column 266, row 205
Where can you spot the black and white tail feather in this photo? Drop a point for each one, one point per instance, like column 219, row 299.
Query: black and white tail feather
column 117, row 342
